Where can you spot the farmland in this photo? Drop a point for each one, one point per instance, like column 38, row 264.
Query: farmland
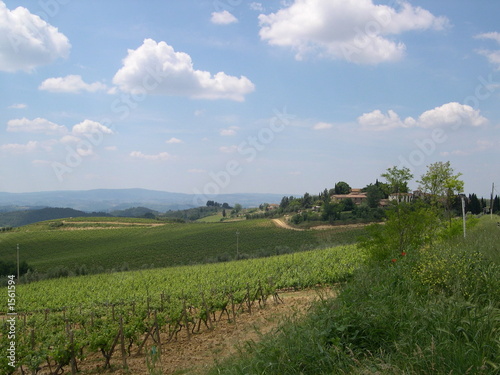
column 101, row 244
column 63, row 321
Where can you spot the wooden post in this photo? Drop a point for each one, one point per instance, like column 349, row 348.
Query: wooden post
column 122, row 345
column 186, row 320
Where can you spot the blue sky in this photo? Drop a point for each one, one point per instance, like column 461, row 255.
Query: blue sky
column 227, row 96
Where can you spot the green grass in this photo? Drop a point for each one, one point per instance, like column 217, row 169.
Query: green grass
column 434, row 311
column 104, row 246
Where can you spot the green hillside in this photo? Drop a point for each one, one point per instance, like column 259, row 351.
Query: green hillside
column 102, row 244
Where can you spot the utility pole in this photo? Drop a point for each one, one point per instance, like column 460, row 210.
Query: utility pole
column 463, row 210
column 491, row 200
column 17, row 262
column 237, row 245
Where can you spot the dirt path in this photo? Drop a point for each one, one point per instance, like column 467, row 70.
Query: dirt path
column 283, row 224
column 199, row 354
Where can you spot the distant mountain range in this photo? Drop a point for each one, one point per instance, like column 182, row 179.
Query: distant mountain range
column 107, row 200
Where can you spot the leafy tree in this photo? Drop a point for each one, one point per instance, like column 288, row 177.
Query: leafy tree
column 307, row 200
column 237, row 208
column 408, row 227
column 442, row 184
column 326, row 195
column 348, row 204
column 284, row 202
column 397, row 179
column 331, row 211
column 373, row 196
column 342, row 187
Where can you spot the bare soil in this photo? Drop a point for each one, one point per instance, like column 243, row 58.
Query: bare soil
column 199, row 353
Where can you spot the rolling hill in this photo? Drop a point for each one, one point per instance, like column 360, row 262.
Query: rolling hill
column 102, row 244
column 118, row 199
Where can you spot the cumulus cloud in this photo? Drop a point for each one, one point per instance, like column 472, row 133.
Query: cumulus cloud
column 27, row 41
column 322, row 126
column 493, row 35
column 37, row 125
column 174, row 140
column 90, row 127
column 162, row 156
column 17, row 148
column 158, row 69
column 452, row 115
column 70, row 84
column 257, row 6
column 354, row 30
column 493, row 56
column 229, row 131
column 223, row 18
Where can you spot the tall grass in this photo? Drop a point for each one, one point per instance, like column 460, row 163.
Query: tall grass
column 433, row 311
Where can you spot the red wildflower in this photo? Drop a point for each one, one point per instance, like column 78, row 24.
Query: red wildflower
column 403, row 254
column 394, row 260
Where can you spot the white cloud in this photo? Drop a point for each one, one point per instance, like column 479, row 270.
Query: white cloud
column 90, row 127
column 322, row 126
column 27, row 41
column 228, row 149
column 17, row 106
column 480, row 146
column 452, row 114
column 17, row 148
column 357, row 31
column 174, row 140
column 493, row 35
column 70, row 84
column 229, row 131
column 161, row 156
column 223, row 18
column 256, row 6
column 492, row 56
column 156, row 68
column 38, row 125
column 69, row 139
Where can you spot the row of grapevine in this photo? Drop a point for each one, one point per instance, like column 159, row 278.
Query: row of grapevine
column 65, row 320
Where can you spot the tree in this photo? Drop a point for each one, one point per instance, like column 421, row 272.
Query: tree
column 284, row 202
column 373, row 196
column 348, row 204
column 496, row 205
column 474, row 204
column 342, row 187
column 237, row 208
column 307, row 200
column 397, row 179
column 441, row 184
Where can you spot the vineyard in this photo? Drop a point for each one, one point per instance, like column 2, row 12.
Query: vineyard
column 63, row 322
column 101, row 244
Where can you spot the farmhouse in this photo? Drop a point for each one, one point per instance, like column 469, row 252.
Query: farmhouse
column 356, row 195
